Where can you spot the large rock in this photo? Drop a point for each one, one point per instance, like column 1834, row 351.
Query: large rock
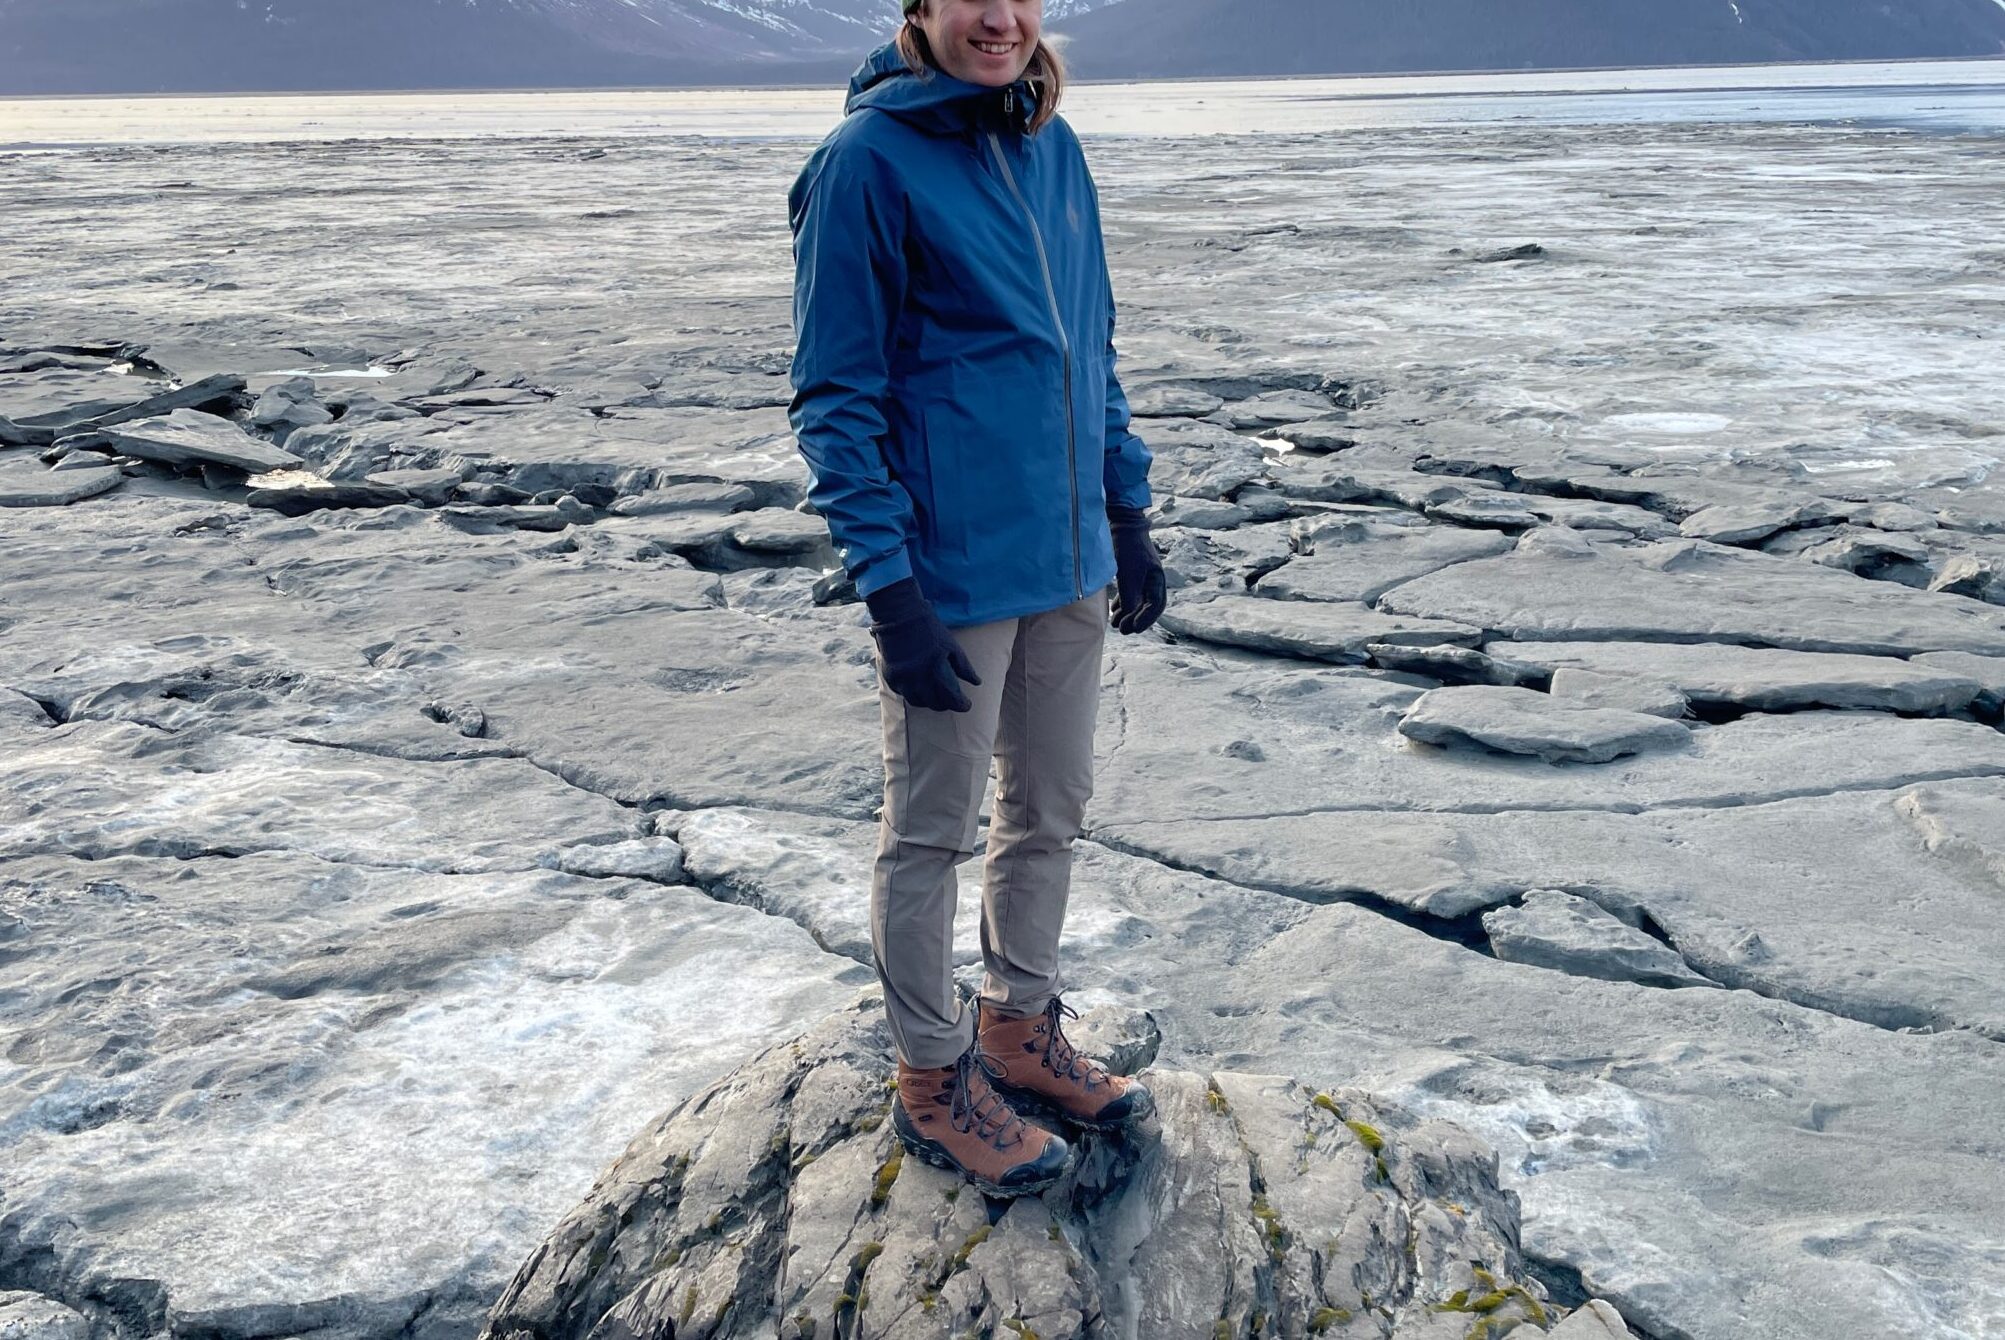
column 1761, row 679
column 1358, row 560
column 1595, row 1320
column 429, row 487
column 1201, row 460
column 561, row 446
column 1987, row 671
column 41, row 402
column 698, row 497
column 1789, row 899
column 780, row 530
column 1254, row 738
column 779, row 1201
column 1271, row 409
column 1972, row 576
column 1864, row 553
column 1345, row 481
column 1688, row 591
column 25, row 484
column 1314, row 630
column 31, row 1316
column 1555, row 929
column 289, row 404
column 50, row 404
column 1657, row 697
column 1207, row 559
column 1748, row 523
column 188, row 438
column 298, row 492
column 1520, row 721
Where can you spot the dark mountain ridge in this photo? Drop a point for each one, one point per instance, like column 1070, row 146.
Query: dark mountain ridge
column 223, row 46
column 1165, row 38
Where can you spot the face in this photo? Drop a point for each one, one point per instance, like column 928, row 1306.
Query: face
column 982, row 41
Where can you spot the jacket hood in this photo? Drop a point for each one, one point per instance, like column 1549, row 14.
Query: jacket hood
column 936, row 101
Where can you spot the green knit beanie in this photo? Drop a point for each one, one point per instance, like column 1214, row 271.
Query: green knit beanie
column 910, row 5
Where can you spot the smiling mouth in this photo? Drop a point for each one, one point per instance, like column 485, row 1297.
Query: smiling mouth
column 993, row 48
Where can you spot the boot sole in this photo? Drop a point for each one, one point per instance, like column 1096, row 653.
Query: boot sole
column 935, row 1153
column 1028, row 1102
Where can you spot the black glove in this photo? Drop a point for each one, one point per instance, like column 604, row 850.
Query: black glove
column 1140, row 591
column 920, row 656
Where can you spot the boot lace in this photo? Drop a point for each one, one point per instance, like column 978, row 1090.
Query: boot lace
column 1059, row 1055
column 976, row 1105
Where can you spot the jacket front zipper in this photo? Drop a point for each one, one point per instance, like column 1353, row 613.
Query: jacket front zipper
column 1064, row 347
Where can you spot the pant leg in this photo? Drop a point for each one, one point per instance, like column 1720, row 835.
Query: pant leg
column 1044, row 776
column 936, row 767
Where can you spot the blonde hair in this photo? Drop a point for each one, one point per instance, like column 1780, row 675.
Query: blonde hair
column 1046, row 71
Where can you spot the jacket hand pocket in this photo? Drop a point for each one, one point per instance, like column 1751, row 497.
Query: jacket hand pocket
column 1000, row 475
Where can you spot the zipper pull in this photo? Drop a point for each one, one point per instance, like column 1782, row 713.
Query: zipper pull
column 1009, row 105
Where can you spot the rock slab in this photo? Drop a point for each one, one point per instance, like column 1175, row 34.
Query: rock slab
column 26, row 485
column 30, row 1316
column 778, row 1200
column 1521, row 721
column 1312, row 629
column 1762, row 679
column 187, row 437
column 1556, row 929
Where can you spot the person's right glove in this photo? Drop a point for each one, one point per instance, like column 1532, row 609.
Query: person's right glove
column 1140, row 590
column 920, row 656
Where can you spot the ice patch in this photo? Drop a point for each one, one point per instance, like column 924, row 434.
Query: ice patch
column 1669, row 422
column 1870, row 463
column 331, row 372
column 286, row 479
column 1538, row 1126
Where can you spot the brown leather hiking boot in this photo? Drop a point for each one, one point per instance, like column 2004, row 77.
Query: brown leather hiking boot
column 953, row 1119
column 1040, row 1066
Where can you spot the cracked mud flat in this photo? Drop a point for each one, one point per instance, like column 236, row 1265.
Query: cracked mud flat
column 369, row 876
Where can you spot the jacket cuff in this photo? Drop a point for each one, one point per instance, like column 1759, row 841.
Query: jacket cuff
column 881, row 572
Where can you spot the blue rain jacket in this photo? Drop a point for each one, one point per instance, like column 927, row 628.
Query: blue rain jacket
column 954, row 387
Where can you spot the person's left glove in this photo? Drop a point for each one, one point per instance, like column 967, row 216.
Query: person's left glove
column 1140, row 589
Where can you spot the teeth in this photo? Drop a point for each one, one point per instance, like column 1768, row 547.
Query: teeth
column 995, row 48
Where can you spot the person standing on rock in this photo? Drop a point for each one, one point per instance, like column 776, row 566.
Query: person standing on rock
column 956, row 402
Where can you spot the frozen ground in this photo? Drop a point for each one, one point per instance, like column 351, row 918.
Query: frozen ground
column 368, row 877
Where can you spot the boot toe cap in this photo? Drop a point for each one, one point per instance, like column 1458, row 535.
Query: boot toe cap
column 1134, row 1103
column 1047, row 1166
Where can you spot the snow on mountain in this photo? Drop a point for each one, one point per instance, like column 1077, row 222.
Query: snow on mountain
column 1150, row 38
column 129, row 46
column 57, row 46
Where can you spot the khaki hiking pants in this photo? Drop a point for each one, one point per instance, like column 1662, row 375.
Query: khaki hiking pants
column 1033, row 713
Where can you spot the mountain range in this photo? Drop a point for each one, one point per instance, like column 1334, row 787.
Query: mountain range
column 143, row 46
column 1156, row 38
